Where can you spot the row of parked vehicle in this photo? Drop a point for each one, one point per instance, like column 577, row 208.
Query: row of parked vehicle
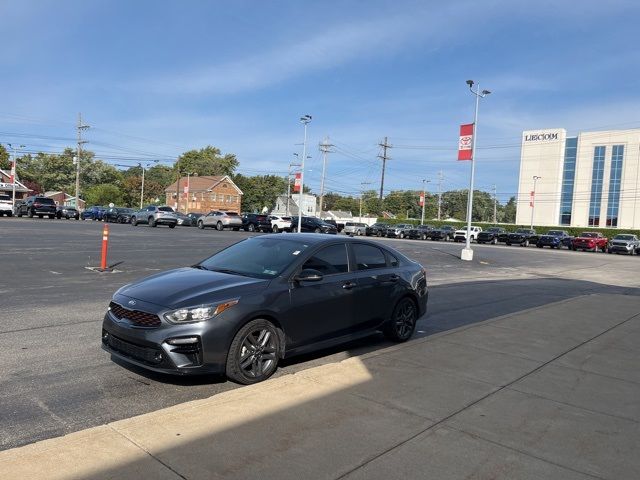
column 586, row 241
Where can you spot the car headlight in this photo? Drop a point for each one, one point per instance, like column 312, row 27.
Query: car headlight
column 200, row 313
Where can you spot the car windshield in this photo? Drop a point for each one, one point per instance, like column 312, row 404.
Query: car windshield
column 258, row 257
column 624, row 237
column 165, row 209
column 589, row 234
column 555, row 233
column 522, row 231
column 230, row 214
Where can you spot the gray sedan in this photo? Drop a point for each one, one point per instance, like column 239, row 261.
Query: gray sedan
column 220, row 220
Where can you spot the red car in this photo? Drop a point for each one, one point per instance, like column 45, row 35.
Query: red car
column 592, row 241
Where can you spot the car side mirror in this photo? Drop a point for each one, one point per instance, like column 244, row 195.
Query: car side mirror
column 308, row 275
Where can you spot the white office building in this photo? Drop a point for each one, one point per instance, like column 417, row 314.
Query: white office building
column 590, row 180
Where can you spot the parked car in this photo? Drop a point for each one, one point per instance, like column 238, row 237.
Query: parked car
column 555, row 239
column 118, row 214
column 313, row 225
column 67, row 212
column 35, row 205
column 220, row 220
column 339, row 226
column 6, row 206
column 194, row 217
column 254, row 222
column 445, row 232
column 280, row 224
column 592, row 241
column 261, row 300
column 154, row 216
column 398, row 231
column 419, row 232
column 355, row 228
column 491, row 235
column 624, row 243
column 377, row 230
column 460, row 235
column 184, row 220
column 523, row 237
column 95, row 212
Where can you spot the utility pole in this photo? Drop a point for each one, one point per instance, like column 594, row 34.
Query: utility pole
column 424, row 198
column 324, row 148
column 81, row 142
column 495, row 206
column 440, row 178
column 13, row 176
column 384, row 158
column 305, row 119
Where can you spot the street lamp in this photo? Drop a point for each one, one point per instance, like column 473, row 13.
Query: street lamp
column 533, row 198
column 424, row 198
column 361, row 195
column 142, row 189
column 305, row 119
column 467, row 252
column 13, row 173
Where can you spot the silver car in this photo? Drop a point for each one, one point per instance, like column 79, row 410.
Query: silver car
column 355, row 228
column 220, row 220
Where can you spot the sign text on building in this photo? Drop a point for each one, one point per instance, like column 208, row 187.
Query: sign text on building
column 533, row 137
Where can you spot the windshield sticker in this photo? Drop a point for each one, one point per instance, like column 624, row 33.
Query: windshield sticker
column 270, row 272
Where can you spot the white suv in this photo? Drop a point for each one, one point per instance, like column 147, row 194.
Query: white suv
column 461, row 235
column 280, row 224
column 5, row 205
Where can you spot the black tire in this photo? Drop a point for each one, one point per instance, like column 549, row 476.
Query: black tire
column 526, row 243
column 10, row 214
column 378, row 233
column 401, row 234
column 254, row 353
column 19, row 214
column 317, row 230
column 508, row 244
column 172, row 225
column 251, row 227
column 403, row 321
column 201, row 225
column 274, row 229
column 40, row 216
column 540, row 246
column 30, row 213
column 134, row 221
column 219, row 226
column 52, row 217
column 152, row 222
column 236, row 229
column 494, row 241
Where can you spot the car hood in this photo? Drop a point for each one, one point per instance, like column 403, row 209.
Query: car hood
column 190, row 286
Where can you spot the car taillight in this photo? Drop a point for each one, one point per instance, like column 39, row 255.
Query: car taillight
column 36, row 204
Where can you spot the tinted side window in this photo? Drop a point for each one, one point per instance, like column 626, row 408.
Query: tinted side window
column 393, row 261
column 368, row 257
column 330, row 260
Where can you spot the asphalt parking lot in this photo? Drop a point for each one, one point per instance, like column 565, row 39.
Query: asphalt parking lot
column 55, row 379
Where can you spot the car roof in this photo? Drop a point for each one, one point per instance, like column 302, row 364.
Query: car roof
column 317, row 238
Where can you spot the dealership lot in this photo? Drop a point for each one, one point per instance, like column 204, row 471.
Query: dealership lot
column 55, row 378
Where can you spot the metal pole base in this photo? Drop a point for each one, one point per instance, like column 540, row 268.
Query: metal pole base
column 466, row 254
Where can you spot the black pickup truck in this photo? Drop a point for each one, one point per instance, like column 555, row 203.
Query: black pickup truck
column 523, row 237
column 492, row 235
column 446, row 233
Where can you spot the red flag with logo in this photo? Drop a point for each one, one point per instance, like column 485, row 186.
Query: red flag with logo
column 421, row 200
column 465, row 145
column 296, row 183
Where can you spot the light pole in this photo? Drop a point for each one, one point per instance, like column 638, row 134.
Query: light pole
column 467, row 252
column 424, row 198
column 13, row 173
column 533, row 198
column 305, row 119
column 142, row 189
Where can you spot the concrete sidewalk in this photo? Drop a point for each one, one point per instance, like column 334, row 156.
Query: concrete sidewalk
column 552, row 392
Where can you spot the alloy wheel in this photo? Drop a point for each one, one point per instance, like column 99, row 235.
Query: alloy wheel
column 258, row 353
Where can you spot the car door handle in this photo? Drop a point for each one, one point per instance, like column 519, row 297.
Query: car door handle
column 348, row 285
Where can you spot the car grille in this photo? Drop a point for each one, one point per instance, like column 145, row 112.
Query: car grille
column 137, row 317
column 151, row 356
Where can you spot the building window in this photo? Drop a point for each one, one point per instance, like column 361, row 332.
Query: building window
column 228, row 198
column 614, row 185
column 596, row 186
column 568, row 178
column 212, row 197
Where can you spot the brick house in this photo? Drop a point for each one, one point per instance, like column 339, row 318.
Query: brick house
column 6, row 187
column 64, row 199
column 203, row 194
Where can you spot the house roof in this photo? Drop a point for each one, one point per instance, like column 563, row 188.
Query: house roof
column 201, row 183
column 6, row 176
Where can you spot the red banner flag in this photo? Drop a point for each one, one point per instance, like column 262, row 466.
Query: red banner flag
column 296, row 183
column 465, row 150
column 421, row 201
column 533, row 198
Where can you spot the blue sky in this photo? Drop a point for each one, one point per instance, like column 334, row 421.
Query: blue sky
column 157, row 78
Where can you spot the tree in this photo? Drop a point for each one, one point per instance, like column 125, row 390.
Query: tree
column 103, row 195
column 206, row 161
column 260, row 191
column 5, row 162
column 509, row 211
